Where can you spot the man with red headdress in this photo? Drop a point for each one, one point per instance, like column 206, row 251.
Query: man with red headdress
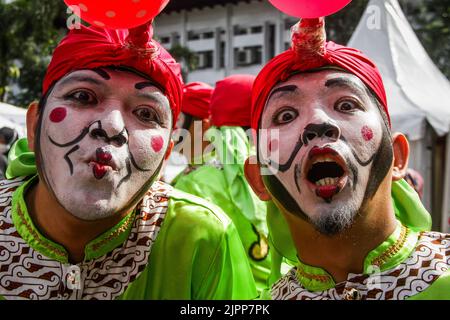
column 218, row 176
column 191, row 126
column 328, row 159
column 94, row 223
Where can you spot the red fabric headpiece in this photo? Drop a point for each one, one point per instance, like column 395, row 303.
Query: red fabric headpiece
column 231, row 101
column 93, row 47
column 310, row 51
column 196, row 99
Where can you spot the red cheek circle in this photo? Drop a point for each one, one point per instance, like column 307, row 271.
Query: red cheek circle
column 157, row 143
column 367, row 133
column 58, row 114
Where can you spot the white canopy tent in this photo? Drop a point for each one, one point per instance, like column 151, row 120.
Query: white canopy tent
column 418, row 93
column 13, row 117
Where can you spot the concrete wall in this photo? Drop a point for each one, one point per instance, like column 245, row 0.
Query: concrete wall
column 175, row 27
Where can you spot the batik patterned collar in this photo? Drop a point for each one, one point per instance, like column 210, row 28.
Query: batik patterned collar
column 388, row 273
column 32, row 266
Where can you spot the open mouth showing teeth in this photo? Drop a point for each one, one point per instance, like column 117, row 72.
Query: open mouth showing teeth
column 326, row 172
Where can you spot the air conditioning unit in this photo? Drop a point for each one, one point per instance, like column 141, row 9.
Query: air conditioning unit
column 242, row 56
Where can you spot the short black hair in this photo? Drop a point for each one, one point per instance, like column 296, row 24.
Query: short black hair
column 10, row 135
column 380, row 107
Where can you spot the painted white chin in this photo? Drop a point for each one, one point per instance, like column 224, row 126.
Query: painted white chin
column 101, row 204
column 92, row 212
column 89, row 198
column 92, row 202
column 330, row 193
column 332, row 215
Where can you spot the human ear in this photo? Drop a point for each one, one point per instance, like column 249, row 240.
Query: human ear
column 253, row 175
column 32, row 120
column 206, row 124
column 401, row 156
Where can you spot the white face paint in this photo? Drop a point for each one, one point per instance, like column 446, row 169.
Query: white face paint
column 103, row 137
column 331, row 131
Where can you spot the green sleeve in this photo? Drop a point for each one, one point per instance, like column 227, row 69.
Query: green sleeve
column 197, row 255
column 210, row 184
column 439, row 290
column 409, row 208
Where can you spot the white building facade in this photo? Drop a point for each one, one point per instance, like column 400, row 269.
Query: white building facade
column 230, row 38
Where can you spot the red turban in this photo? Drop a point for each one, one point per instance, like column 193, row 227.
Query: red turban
column 93, row 47
column 310, row 51
column 231, row 101
column 196, row 99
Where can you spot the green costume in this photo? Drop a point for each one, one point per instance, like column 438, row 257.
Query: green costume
column 172, row 246
column 222, row 181
column 412, row 263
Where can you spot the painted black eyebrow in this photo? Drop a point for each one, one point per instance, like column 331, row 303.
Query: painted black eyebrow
column 146, row 84
column 80, row 78
column 344, row 83
column 288, row 88
column 102, row 73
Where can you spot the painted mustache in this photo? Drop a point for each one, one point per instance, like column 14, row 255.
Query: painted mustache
column 95, row 130
column 311, row 132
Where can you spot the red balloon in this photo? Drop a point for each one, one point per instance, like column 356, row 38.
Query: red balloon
column 309, row 8
column 123, row 14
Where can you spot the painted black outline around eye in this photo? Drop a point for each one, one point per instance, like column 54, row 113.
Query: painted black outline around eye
column 70, row 96
column 280, row 111
column 158, row 118
column 358, row 105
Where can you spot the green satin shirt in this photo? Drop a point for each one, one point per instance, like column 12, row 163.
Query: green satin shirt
column 221, row 180
column 197, row 253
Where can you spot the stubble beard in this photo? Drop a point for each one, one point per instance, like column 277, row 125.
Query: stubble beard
column 336, row 221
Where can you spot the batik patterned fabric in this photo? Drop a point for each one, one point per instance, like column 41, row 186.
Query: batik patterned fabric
column 427, row 263
column 26, row 273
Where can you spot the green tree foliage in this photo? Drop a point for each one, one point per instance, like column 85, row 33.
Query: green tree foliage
column 430, row 20
column 340, row 26
column 29, row 31
column 186, row 57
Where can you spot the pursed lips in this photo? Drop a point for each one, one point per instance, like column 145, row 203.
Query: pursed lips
column 101, row 163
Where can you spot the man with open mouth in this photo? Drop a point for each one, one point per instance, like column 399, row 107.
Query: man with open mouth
column 94, row 223
column 328, row 160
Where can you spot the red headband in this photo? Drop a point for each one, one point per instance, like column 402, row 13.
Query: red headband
column 196, row 99
column 93, row 47
column 310, row 51
column 231, row 101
